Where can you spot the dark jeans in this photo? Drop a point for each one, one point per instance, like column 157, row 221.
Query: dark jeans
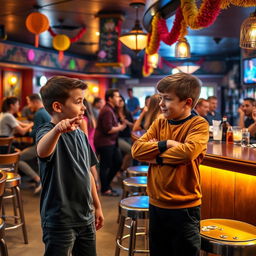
column 174, row 232
column 80, row 241
column 110, row 164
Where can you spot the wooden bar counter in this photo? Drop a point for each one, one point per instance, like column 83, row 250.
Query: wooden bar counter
column 228, row 177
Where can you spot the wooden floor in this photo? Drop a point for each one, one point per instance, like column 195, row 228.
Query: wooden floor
column 105, row 237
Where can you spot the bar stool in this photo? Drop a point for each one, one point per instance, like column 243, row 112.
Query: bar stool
column 134, row 186
column 227, row 237
column 133, row 171
column 135, row 207
column 3, row 247
column 12, row 191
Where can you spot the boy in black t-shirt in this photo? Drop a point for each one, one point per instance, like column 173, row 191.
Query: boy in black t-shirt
column 65, row 158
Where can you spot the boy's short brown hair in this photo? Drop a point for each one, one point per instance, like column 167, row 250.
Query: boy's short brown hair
column 182, row 85
column 57, row 88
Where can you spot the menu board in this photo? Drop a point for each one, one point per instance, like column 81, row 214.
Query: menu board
column 109, row 45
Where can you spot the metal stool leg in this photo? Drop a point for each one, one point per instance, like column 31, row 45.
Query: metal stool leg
column 14, row 205
column 20, row 205
column 120, row 233
column 4, row 251
column 132, row 242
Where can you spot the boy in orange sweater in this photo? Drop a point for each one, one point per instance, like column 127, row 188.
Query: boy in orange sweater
column 174, row 146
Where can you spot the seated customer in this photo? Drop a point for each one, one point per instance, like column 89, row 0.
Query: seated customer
column 9, row 125
column 202, row 107
column 148, row 114
column 212, row 114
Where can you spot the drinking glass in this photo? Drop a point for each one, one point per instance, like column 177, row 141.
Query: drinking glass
column 245, row 137
column 237, row 134
column 217, row 132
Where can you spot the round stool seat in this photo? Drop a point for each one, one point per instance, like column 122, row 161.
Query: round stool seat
column 141, row 170
column 228, row 237
column 135, row 184
column 135, row 207
column 13, row 180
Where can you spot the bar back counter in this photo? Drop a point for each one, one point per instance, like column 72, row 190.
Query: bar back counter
column 228, row 178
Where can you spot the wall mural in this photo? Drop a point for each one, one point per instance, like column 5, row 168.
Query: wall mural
column 30, row 56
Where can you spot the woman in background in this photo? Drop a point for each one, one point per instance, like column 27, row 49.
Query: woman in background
column 148, row 114
column 88, row 126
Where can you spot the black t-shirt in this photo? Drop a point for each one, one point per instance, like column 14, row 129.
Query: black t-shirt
column 66, row 194
column 126, row 133
column 248, row 121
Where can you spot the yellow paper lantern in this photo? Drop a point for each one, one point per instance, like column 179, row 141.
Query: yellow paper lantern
column 61, row 43
column 37, row 23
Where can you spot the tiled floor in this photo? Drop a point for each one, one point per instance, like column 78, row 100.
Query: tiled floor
column 14, row 238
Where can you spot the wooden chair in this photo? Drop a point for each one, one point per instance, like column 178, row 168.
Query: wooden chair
column 10, row 161
column 6, row 142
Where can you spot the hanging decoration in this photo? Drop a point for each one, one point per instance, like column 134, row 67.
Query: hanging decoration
column 61, row 43
column 242, row 3
column 37, row 23
column 73, row 39
column 126, row 62
column 153, row 38
column 204, row 16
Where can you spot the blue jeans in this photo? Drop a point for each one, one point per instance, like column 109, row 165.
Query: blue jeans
column 77, row 241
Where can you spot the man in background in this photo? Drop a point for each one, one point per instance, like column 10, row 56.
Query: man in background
column 133, row 104
column 212, row 114
column 202, row 107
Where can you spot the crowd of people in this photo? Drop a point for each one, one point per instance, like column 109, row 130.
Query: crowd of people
column 70, row 134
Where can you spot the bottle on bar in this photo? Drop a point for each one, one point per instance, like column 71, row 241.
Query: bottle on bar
column 229, row 136
column 224, row 125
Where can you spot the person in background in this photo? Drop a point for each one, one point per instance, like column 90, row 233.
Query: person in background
column 88, row 126
column 202, row 107
column 212, row 114
column 124, row 137
column 148, row 114
column 97, row 105
column 105, row 141
column 245, row 113
column 147, row 100
column 133, row 104
column 65, row 157
column 27, row 112
column 9, row 125
column 174, row 147
column 41, row 117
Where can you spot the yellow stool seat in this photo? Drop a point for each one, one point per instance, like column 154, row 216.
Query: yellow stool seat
column 228, row 237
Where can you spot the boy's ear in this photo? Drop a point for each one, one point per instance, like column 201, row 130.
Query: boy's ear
column 189, row 102
column 57, row 107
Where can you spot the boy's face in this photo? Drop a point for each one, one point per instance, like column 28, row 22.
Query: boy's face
column 74, row 106
column 172, row 107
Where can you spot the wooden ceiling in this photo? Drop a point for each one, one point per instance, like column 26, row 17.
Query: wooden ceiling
column 83, row 12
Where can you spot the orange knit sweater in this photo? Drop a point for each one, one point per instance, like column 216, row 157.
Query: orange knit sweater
column 176, row 182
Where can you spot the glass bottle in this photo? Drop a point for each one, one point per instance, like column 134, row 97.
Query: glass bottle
column 229, row 136
column 224, row 125
column 245, row 137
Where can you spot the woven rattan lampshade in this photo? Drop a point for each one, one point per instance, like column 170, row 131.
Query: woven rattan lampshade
column 248, row 33
column 182, row 49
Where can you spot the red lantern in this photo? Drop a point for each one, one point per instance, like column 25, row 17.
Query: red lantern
column 37, row 23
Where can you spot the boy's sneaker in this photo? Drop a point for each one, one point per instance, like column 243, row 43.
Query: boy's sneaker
column 38, row 188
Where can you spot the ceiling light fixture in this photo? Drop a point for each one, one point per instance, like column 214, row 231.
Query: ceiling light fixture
column 136, row 39
column 188, row 67
column 182, row 49
column 248, row 32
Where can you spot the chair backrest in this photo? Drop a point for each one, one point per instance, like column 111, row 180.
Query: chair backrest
column 10, row 160
column 6, row 142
